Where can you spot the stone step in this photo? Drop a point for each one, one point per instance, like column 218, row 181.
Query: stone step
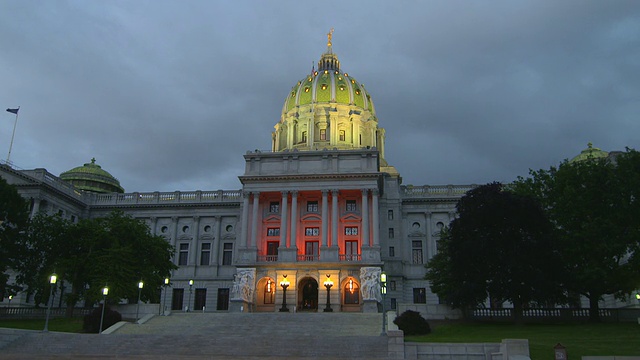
column 222, row 335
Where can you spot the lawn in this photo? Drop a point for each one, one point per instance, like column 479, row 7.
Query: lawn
column 580, row 339
column 73, row 325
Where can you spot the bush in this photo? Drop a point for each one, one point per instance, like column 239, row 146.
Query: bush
column 92, row 321
column 412, row 323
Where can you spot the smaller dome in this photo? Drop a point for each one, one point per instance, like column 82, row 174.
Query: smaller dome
column 590, row 153
column 92, row 178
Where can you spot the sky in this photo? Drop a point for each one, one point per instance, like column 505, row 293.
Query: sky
column 169, row 95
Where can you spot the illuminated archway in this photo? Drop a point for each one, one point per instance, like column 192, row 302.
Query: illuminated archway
column 266, row 294
column 351, row 300
column 308, row 294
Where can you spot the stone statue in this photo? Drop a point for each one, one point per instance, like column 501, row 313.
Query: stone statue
column 243, row 285
column 370, row 283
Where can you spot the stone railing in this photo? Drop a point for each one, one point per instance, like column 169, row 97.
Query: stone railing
column 557, row 314
column 39, row 313
column 410, row 191
column 179, row 197
column 55, row 182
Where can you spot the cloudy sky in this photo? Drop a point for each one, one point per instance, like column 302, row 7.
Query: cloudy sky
column 168, row 95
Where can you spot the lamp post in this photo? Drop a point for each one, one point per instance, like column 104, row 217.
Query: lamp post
column 190, row 291
column 328, row 284
column 10, row 298
column 164, row 300
column 105, row 292
column 383, row 291
column 140, row 286
column 52, row 280
column 285, row 284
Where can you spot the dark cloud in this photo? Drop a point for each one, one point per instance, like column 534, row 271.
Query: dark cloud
column 169, row 96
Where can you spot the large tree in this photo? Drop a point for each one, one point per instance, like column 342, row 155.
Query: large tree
column 14, row 217
column 116, row 251
column 498, row 247
column 594, row 205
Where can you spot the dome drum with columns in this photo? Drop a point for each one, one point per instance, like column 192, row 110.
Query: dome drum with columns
column 328, row 109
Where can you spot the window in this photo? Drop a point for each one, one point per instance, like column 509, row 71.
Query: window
column 360, row 139
column 390, row 215
column 392, row 285
column 183, row 256
column 351, row 230
column 205, row 253
column 391, row 233
column 223, row 299
column 274, row 207
column 342, row 135
column 393, row 304
column 312, row 231
column 419, row 296
column 312, row 206
column 323, row 134
column 392, row 251
column 227, row 253
column 351, row 250
column 351, row 292
column 351, row 205
column 272, row 250
column 273, row 232
column 416, row 252
column 304, row 136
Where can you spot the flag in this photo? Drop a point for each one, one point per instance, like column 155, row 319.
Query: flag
column 15, row 111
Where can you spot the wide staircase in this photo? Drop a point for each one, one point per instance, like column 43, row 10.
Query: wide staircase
column 217, row 336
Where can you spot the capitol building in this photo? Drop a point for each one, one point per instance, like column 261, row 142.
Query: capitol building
column 322, row 206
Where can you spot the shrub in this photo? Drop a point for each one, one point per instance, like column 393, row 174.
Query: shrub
column 92, row 321
column 412, row 323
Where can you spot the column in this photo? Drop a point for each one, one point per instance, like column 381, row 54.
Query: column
column 193, row 258
column 36, row 207
column 294, row 219
column 254, row 219
column 375, row 214
column 245, row 219
column 325, row 220
column 334, row 217
column 154, row 224
column 431, row 247
column 174, row 237
column 365, row 217
column 283, row 219
column 216, row 241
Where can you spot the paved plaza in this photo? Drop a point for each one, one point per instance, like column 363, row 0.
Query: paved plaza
column 213, row 336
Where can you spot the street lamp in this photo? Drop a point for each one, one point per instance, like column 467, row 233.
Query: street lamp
column 285, row 284
column 164, row 300
column 140, row 286
column 190, row 291
column 383, row 291
column 52, row 280
column 10, row 298
column 105, row 292
column 328, row 284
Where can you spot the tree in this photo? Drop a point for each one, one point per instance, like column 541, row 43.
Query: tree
column 14, row 216
column 499, row 247
column 117, row 251
column 594, row 206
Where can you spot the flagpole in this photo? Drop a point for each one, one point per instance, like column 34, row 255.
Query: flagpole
column 12, row 136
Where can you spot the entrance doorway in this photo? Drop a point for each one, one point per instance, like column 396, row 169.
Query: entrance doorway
column 308, row 295
column 176, row 299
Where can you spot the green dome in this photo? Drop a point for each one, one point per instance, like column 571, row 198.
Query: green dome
column 90, row 177
column 328, row 85
column 590, row 153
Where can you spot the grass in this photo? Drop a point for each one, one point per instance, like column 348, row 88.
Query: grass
column 620, row 339
column 73, row 325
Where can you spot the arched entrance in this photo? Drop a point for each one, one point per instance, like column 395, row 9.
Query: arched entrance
column 308, row 295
